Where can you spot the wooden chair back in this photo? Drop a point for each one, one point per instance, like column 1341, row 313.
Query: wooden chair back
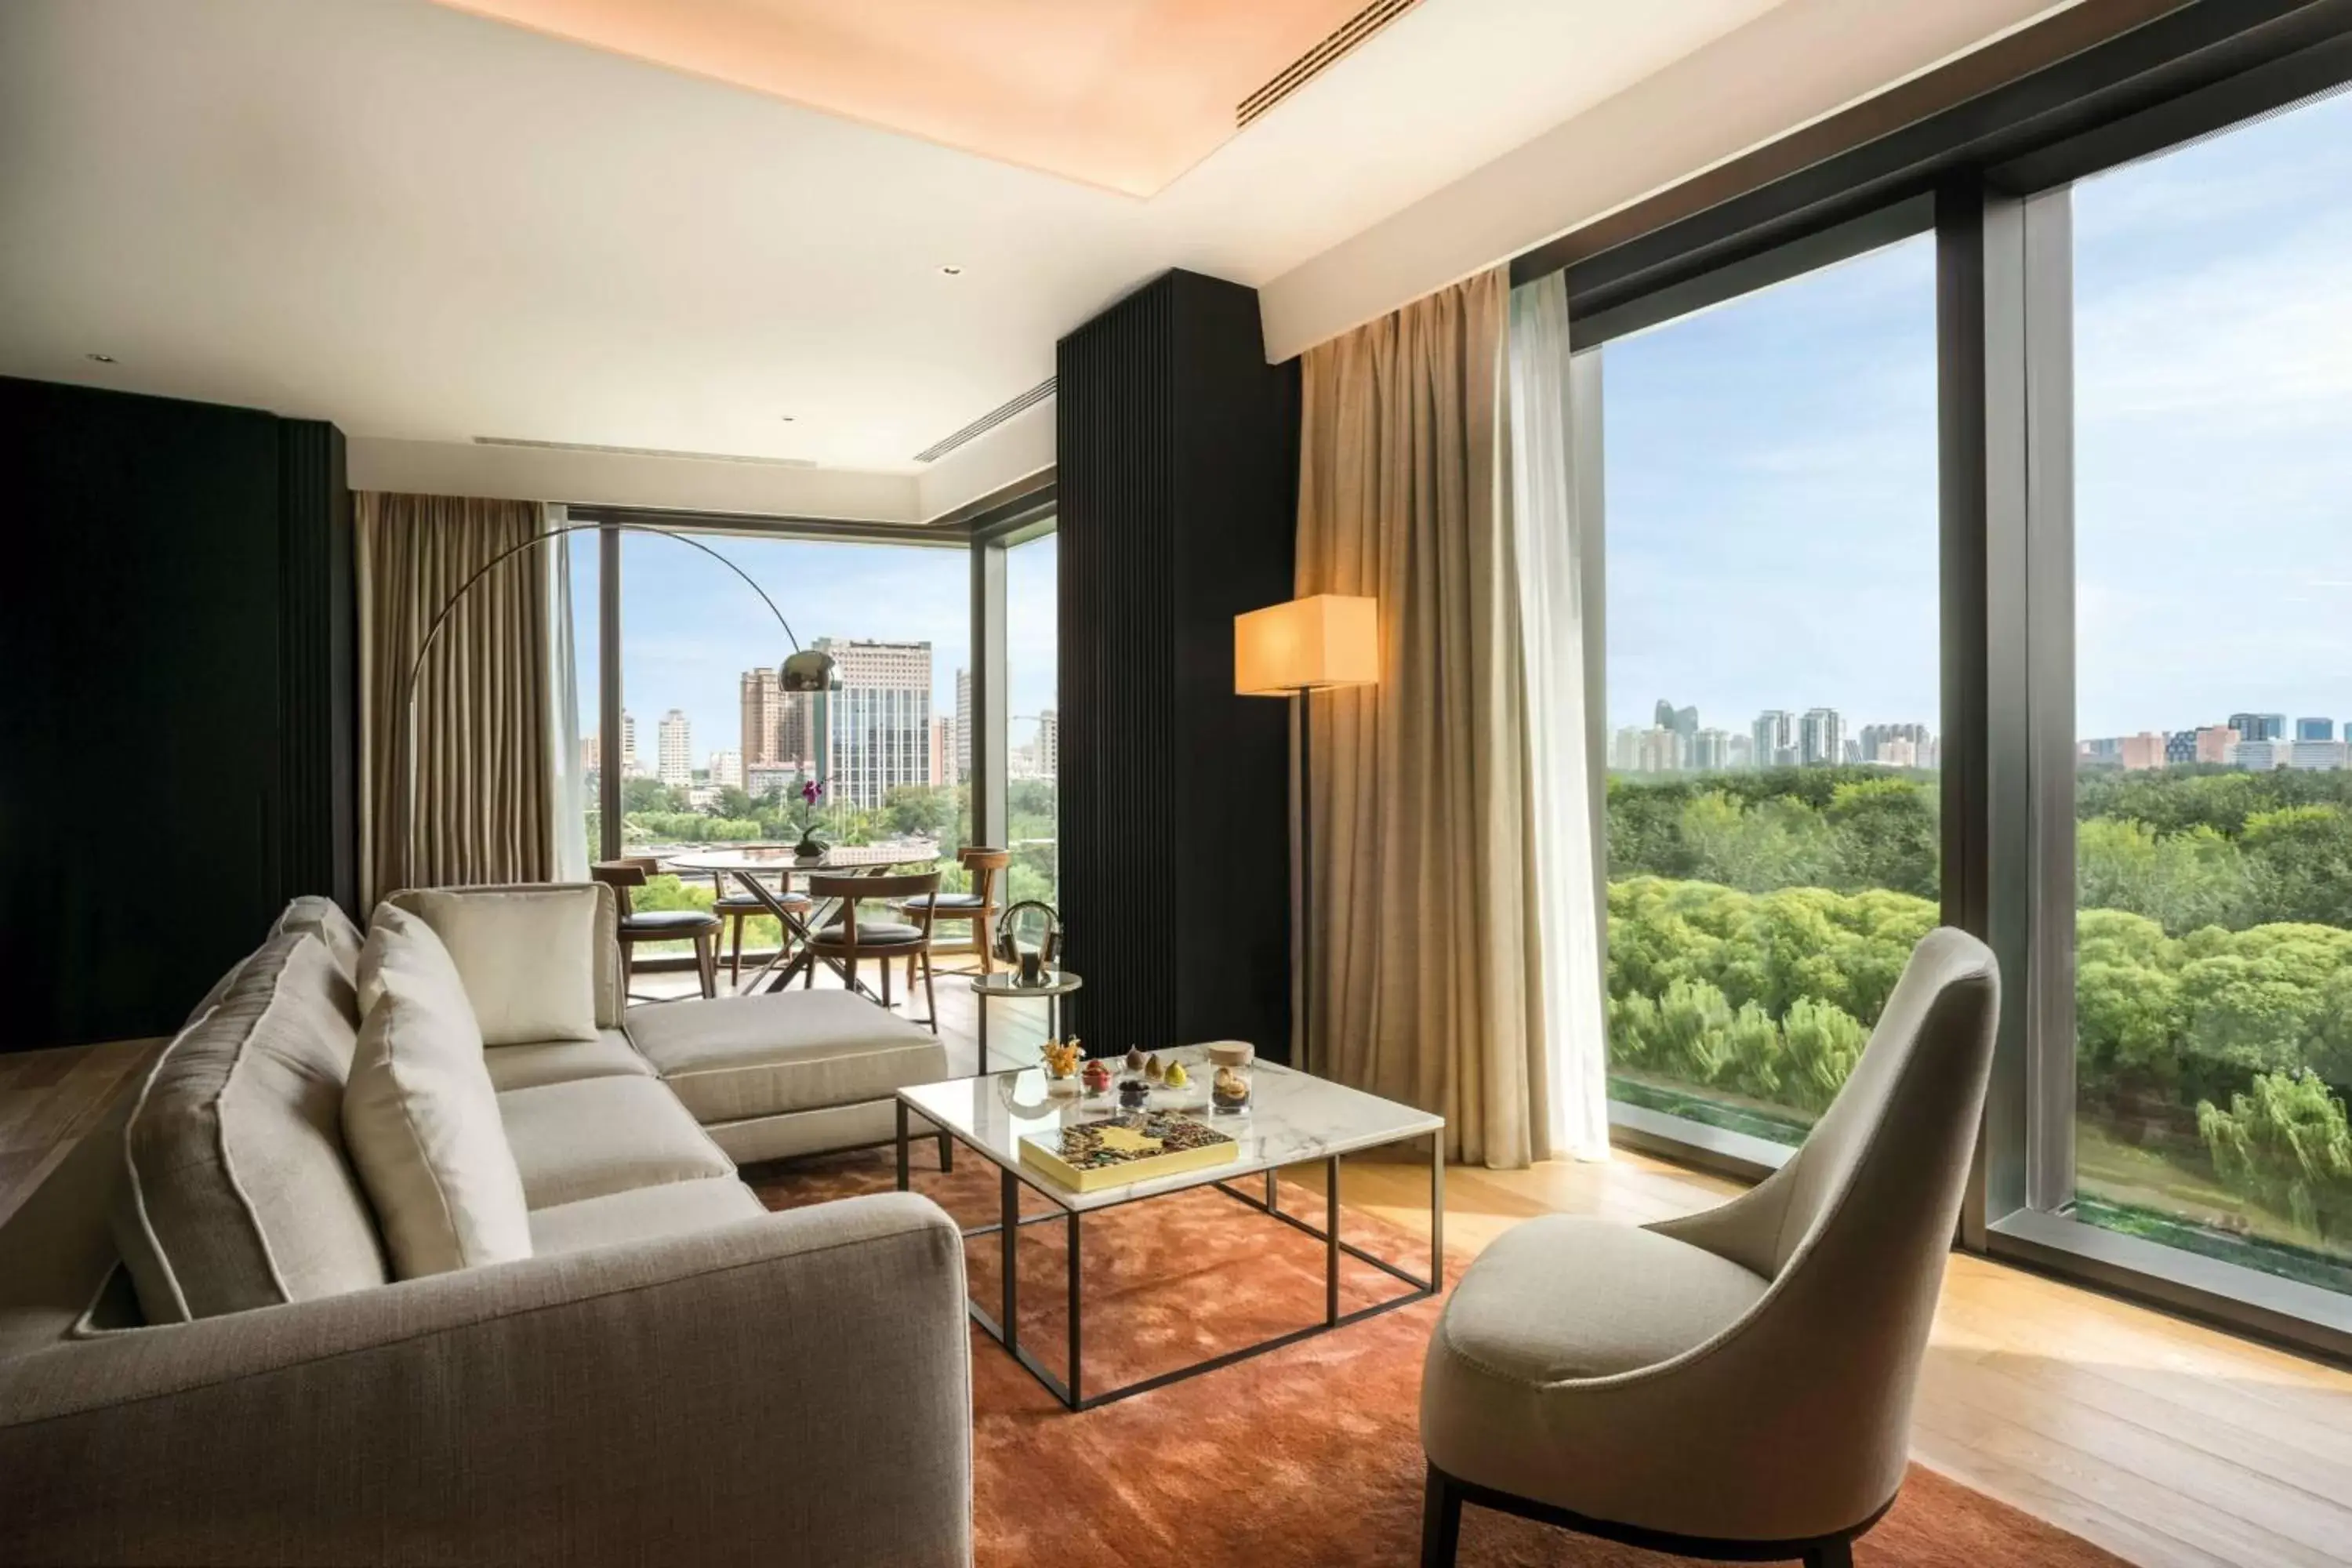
column 852, row 890
column 629, row 871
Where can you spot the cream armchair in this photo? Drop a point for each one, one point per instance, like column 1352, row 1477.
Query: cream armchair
column 1736, row 1385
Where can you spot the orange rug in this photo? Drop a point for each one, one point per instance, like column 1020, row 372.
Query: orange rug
column 1305, row 1457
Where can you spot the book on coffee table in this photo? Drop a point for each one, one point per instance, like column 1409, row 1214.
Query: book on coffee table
column 1126, row 1146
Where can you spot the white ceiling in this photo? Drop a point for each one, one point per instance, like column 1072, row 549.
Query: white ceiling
column 426, row 226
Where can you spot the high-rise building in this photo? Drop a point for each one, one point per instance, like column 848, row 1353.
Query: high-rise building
column 1897, row 752
column 592, row 754
column 775, row 722
column 629, row 747
column 2258, row 726
column 1683, row 722
column 1049, row 745
column 1821, row 737
column 939, row 760
column 727, row 770
column 2145, row 750
column 1710, row 750
column 1739, row 751
column 2262, row 756
column 963, row 725
column 1775, row 737
column 1875, row 738
column 878, row 734
column 1656, row 749
column 2319, row 754
column 2314, row 730
column 674, row 754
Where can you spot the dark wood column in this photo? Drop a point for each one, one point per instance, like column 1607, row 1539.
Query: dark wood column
column 1178, row 478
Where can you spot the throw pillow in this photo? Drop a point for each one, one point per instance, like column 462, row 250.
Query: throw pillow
column 421, row 1118
column 527, row 955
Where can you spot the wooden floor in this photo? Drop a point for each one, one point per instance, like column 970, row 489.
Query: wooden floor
column 2163, row 1441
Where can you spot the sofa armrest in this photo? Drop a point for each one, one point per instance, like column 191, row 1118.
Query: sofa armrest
column 793, row 1388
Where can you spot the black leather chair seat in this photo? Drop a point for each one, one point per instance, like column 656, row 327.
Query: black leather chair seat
column 873, row 933
column 943, row 903
column 669, row 922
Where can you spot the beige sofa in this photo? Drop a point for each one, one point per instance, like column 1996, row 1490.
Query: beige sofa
column 674, row 1375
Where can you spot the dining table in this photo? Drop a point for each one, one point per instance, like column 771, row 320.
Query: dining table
column 765, row 872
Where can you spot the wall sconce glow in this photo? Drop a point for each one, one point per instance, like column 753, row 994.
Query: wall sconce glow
column 1307, row 644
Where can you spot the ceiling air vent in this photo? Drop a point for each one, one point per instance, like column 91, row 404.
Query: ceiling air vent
column 644, row 452
column 987, row 422
column 1317, row 61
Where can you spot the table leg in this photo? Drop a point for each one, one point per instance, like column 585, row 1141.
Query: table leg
column 983, row 999
column 1436, row 1212
column 1009, row 1213
column 1273, row 1190
column 902, row 1145
column 1331, row 1241
column 1077, row 1311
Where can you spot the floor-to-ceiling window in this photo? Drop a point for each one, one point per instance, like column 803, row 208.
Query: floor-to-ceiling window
column 1772, row 607
column 2212, row 529
column 714, row 753
column 1032, row 724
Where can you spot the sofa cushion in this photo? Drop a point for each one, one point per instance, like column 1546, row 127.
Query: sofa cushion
column 420, row 1116
column 1565, row 1297
column 237, row 1191
column 528, row 956
column 736, row 1057
column 604, row 953
column 609, row 1055
column 642, row 1214
column 324, row 918
column 599, row 1135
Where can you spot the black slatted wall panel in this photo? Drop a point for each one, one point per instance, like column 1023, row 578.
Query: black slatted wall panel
column 318, row 824
column 174, row 616
column 1176, row 486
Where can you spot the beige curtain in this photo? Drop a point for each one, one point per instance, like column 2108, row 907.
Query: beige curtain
column 485, row 784
column 1420, row 971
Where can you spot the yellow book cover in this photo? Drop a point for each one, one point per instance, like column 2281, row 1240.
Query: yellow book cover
column 1129, row 1146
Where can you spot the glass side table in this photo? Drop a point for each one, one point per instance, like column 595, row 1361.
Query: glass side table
column 1006, row 984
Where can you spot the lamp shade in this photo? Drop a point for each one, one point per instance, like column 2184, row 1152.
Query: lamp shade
column 809, row 669
column 1307, row 644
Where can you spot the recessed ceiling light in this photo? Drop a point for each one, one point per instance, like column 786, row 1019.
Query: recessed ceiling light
column 952, row 271
column 787, row 419
column 99, row 359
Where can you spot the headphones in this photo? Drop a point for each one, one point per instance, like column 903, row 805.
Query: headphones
column 1005, row 951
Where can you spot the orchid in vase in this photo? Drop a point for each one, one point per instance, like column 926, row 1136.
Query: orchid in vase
column 811, row 793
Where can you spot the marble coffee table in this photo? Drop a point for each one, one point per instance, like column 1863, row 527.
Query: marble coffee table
column 1293, row 1119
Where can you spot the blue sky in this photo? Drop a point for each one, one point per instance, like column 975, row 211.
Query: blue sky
column 690, row 627
column 1770, row 464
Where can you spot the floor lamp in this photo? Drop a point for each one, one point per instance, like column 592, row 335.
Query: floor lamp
column 1296, row 650
column 802, row 669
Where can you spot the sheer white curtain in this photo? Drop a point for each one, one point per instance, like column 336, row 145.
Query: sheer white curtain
column 564, row 710
column 1561, row 632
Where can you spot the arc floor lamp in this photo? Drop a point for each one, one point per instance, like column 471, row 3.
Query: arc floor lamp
column 1294, row 649
column 809, row 669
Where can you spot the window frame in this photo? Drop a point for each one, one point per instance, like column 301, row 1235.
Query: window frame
column 1993, row 173
column 983, row 531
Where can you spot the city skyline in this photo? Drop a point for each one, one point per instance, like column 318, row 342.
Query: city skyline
column 690, row 628
column 1770, row 464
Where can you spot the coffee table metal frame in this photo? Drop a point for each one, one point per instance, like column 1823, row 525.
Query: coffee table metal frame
column 1005, row 1328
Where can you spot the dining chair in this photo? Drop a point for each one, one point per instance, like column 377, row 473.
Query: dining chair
column 1735, row 1384
column 698, row 926
column 975, row 906
column 847, row 939
column 734, row 906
